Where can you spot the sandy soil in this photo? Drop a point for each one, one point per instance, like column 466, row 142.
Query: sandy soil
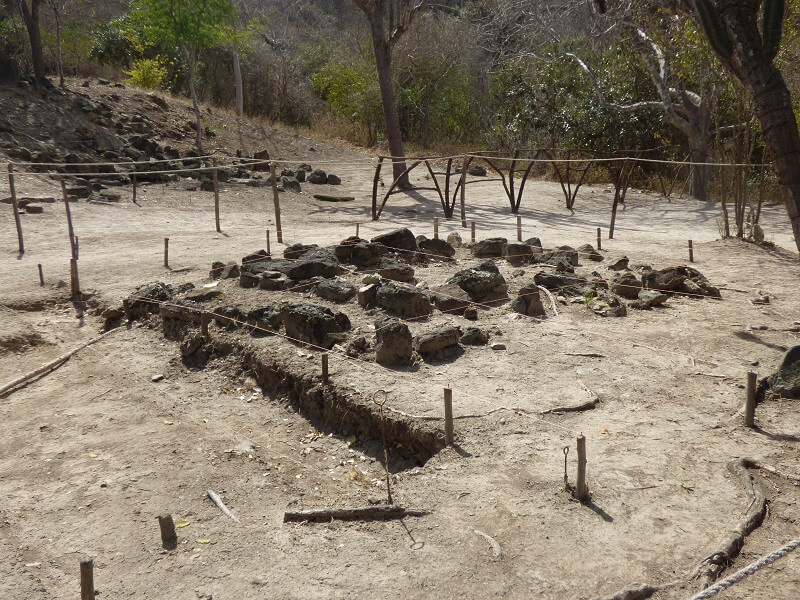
column 92, row 452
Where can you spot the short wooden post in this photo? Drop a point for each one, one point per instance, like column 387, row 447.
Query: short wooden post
column 325, row 367
column 169, row 539
column 87, row 579
column 269, row 252
column 205, row 319
column 166, row 253
column 691, row 251
column 41, row 275
column 69, row 217
column 216, row 199
column 519, row 228
column 581, row 487
column 15, row 207
column 73, row 271
column 133, row 180
column 472, row 231
column 436, row 228
column 77, row 248
column 599, row 239
column 750, row 400
column 448, row 416
column 464, row 166
column 276, row 202
column 357, row 229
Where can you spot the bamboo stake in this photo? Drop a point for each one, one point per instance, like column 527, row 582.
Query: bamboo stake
column 69, row 218
column 87, row 579
column 166, row 253
column 15, row 207
column 41, row 275
column 581, row 488
column 448, row 417
column 216, row 199
column 276, row 202
column 750, row 400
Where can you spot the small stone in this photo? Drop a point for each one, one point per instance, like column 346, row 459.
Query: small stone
column 371, row 278
column 156, row 378
column 619, row 264
column 454, row 240
column 471, row 313
column 498, row 346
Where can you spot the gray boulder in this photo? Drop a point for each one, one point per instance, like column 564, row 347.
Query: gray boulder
column 392, row 342
column 360, row 253
column 438, row 344
column 297, row 250
column 482, row 283
column 680, row 280
column 588, row 252
column 608, row 306
column 265, row 319
column 318, row 177
column 473, row 336
column 437, row 247
column 566, row 253
column 397, row 272
column 320, row 262
column 272, row 281
column 399, row 239
column 315, row 325
column 785, row 382
column 450, row 298
column 335, row 290
column 626, row 285
column 403, row 300
column 528, row 302
column 146, row 299
column 491, row 247
column 648, row 299
column 519, row 254
column 619, row 264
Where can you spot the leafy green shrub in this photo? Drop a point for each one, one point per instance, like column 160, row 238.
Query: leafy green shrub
column 147, row 73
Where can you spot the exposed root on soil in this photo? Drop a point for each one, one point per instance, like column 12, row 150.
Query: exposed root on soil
column 496, row 552
column 367, row 513
column 552, row 300
column 47, row 367
column 794, row 479
column 638, row 592
column 716, row 562
column 588, row 405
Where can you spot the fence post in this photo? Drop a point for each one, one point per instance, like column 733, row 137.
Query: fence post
column 87, row 580
column 750, row 400
column 276, row 202
column 581, row 488
column 216, row 198
column 166, row 253
column 15, row 207
column 448, row 417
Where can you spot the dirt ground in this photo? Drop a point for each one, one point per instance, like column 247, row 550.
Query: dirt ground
column 92, row 452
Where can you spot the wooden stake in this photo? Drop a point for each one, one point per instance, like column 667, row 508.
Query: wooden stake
column 87, row 579
column 599, row 239
column 41, row 276
column 73, row 271
column 463, row 191
column 519, row 228
column 436, row 228
column 269, row 253
column 750, row 400
column 166, row 253
column 448, row 416
column 325, row 367
column 356, row 229
column 691, row 251
column 77, row 248
column 276, row 202
column 169, row 539
column 472, row 230
column 581, row 488
column 133, row 177
column 15, row 207
column 69, row 217
column 216, row 199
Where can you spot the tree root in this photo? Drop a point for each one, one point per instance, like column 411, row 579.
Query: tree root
column 589, row 405
column 714, row 564
column 638, row 592
column 366, row 513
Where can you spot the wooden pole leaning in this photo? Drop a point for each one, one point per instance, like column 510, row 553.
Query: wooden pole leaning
column 15, row 208
column 75, row 283
column 87, row 579
column 69, row 218
column 750, row 400
column 169, row 539
column 216, row 197
column 276, row 202
column 449, row 436
column 581, row 487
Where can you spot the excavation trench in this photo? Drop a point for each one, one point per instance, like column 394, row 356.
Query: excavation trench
column 329, row 407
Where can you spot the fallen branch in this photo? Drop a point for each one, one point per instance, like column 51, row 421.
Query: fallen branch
column 770, row 469
column 492, row 542
column 221, row 505
column 716, row 562
column 552, row 300
column 52, row 364
column 587, row 354
column 589, row 405
column 332, row 198
column 381, row 512
column 638, row 592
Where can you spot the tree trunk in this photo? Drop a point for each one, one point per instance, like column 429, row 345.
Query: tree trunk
column 59, row 56
column 383, row 57
column 191, row 66
column 31, row 18
column 771, row 100
column 237, row 76
column 698, row 153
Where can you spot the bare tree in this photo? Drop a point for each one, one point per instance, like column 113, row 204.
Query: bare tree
column 389, row 20
column 30, row 16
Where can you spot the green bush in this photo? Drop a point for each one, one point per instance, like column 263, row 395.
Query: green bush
column 147, row 73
